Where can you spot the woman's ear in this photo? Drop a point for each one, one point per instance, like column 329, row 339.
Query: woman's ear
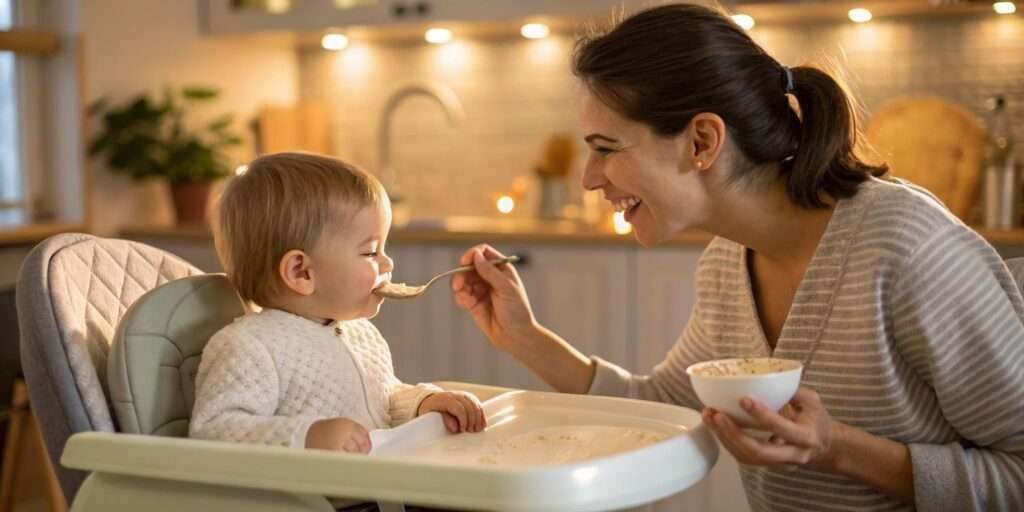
column 296, row 271
column 707, row 138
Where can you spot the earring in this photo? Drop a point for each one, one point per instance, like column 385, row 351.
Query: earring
column 700, row 164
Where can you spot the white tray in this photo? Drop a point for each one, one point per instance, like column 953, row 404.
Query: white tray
column 504, row 467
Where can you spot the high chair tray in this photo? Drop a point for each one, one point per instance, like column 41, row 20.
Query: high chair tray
column 514, row 465
column 550, row 451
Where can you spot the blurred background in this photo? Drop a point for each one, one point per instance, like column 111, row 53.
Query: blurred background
column 125, row 119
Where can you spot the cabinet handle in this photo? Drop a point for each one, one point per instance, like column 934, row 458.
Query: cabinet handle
column 524, row 259
column 398, row 10
column 422, row 8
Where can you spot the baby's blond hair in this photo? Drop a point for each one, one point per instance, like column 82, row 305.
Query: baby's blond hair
column 284, row 201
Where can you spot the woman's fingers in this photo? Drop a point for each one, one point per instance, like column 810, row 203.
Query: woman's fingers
column 774, row 422
column 749, row 450
column 467, row 257
column 487, row 270
column 805, row 397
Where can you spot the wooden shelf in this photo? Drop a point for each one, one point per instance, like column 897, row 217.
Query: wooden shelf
column 35, row 42
column 27, row 234
column 469, row 231
column 511, row 230
column 1002, row 237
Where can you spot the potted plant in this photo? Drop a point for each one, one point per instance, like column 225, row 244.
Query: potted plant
column 144, row 138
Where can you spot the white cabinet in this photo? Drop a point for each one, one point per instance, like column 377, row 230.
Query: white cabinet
column 663, row 289
column 579, row 292
column 239, row 16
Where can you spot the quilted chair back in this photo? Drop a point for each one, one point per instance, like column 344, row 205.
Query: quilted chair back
column 155, row 355
column 72, row 291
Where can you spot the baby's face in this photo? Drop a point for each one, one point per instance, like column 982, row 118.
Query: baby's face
column 349, row 263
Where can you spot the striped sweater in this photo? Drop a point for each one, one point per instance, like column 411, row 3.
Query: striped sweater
column 910, row 327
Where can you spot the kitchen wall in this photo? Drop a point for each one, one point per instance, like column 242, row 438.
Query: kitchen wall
column 518, row 92
column 964, row 60
column 142, row 45
column 515, row 92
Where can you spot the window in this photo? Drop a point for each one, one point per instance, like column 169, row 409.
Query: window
column 12, row 190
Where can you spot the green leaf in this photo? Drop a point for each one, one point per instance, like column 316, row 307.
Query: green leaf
column 97, row 106
column 142, row 137
column 221, row 123
column 199, row 93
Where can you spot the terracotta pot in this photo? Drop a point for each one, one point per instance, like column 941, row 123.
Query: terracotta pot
column 190, row 201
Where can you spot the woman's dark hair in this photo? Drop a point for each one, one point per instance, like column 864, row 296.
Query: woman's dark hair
column 663, row 66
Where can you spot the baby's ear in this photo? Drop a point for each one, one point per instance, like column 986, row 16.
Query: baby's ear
column 296, row 272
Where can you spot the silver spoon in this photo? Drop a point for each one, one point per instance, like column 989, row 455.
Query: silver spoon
column 404, row 291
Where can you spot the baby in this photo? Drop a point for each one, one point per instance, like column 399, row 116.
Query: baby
column 302, row 236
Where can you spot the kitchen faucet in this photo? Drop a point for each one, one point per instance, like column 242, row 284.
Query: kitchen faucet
column 444, row 96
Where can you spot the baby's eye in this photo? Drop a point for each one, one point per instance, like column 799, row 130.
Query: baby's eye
column 370, row 254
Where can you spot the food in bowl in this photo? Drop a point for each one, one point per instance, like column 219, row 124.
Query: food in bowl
column 721, row 383
column 745, row 366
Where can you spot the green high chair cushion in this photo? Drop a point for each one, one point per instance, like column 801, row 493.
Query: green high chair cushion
column 156, row 349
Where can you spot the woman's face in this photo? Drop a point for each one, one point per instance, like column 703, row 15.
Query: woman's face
column 649, row 177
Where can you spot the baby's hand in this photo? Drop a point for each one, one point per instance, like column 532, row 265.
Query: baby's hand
column 461, row 411
column 338, row 434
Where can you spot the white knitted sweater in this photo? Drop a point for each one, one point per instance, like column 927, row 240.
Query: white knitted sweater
column 269, row 375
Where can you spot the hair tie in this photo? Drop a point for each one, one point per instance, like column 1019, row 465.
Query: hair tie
column 787, row 77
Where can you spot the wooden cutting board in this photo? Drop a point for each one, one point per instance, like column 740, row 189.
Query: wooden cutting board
column 934, row 143
column 300, row 127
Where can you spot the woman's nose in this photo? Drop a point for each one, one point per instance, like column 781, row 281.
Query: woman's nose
column 593, row 177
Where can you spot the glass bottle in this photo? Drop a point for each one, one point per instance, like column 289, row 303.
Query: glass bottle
column 1002, row 179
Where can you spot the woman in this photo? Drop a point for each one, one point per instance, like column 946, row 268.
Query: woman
column 908, row 323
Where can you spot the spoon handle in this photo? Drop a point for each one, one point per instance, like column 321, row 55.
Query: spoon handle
column 508, row 259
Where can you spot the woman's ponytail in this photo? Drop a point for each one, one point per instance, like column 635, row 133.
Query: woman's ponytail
column 824, row 160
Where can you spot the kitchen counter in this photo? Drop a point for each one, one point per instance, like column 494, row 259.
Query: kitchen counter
column 468, row 230
column 472, row 230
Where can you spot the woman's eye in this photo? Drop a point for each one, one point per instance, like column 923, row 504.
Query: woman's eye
column 603, row 150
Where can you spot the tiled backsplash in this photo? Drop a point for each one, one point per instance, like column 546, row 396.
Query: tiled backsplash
column 517, row 93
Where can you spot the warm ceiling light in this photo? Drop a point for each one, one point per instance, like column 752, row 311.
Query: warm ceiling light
column 334, row 42
column 438, row 35
column 859, row 15
column 620, row 225
column 1004, row 7
column 278, row 6
column 745, row 21
column 506, row 204
column 535, row 31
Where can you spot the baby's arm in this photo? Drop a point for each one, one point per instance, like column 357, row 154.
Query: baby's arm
column 405, row 400
column 237, row 396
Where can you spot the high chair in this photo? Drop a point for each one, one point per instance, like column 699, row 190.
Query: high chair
column 99, row 334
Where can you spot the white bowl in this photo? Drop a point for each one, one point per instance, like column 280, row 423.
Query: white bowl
column 721, row 383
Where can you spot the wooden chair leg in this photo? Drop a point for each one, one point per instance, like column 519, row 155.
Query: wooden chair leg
column 54, row 494
column 17, row 416
column 22, row 423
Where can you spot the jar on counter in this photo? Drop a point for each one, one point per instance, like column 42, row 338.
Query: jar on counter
column 1002, row 190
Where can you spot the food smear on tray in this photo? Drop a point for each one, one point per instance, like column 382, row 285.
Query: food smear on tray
column 547, row 446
